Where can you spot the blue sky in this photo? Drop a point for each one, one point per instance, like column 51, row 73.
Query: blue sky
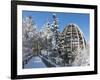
column 81, row 19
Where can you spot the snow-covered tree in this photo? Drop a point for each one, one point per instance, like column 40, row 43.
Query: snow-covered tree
column 46, row 35
column 55, row 36
column 55, row 41
column 30, row 36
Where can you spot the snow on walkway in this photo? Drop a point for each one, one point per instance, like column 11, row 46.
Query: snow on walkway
column 35, row 62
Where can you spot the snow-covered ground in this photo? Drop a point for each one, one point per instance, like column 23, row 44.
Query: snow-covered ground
column 35, row 62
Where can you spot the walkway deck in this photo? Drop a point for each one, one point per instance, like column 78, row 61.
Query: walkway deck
column 35, row 62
